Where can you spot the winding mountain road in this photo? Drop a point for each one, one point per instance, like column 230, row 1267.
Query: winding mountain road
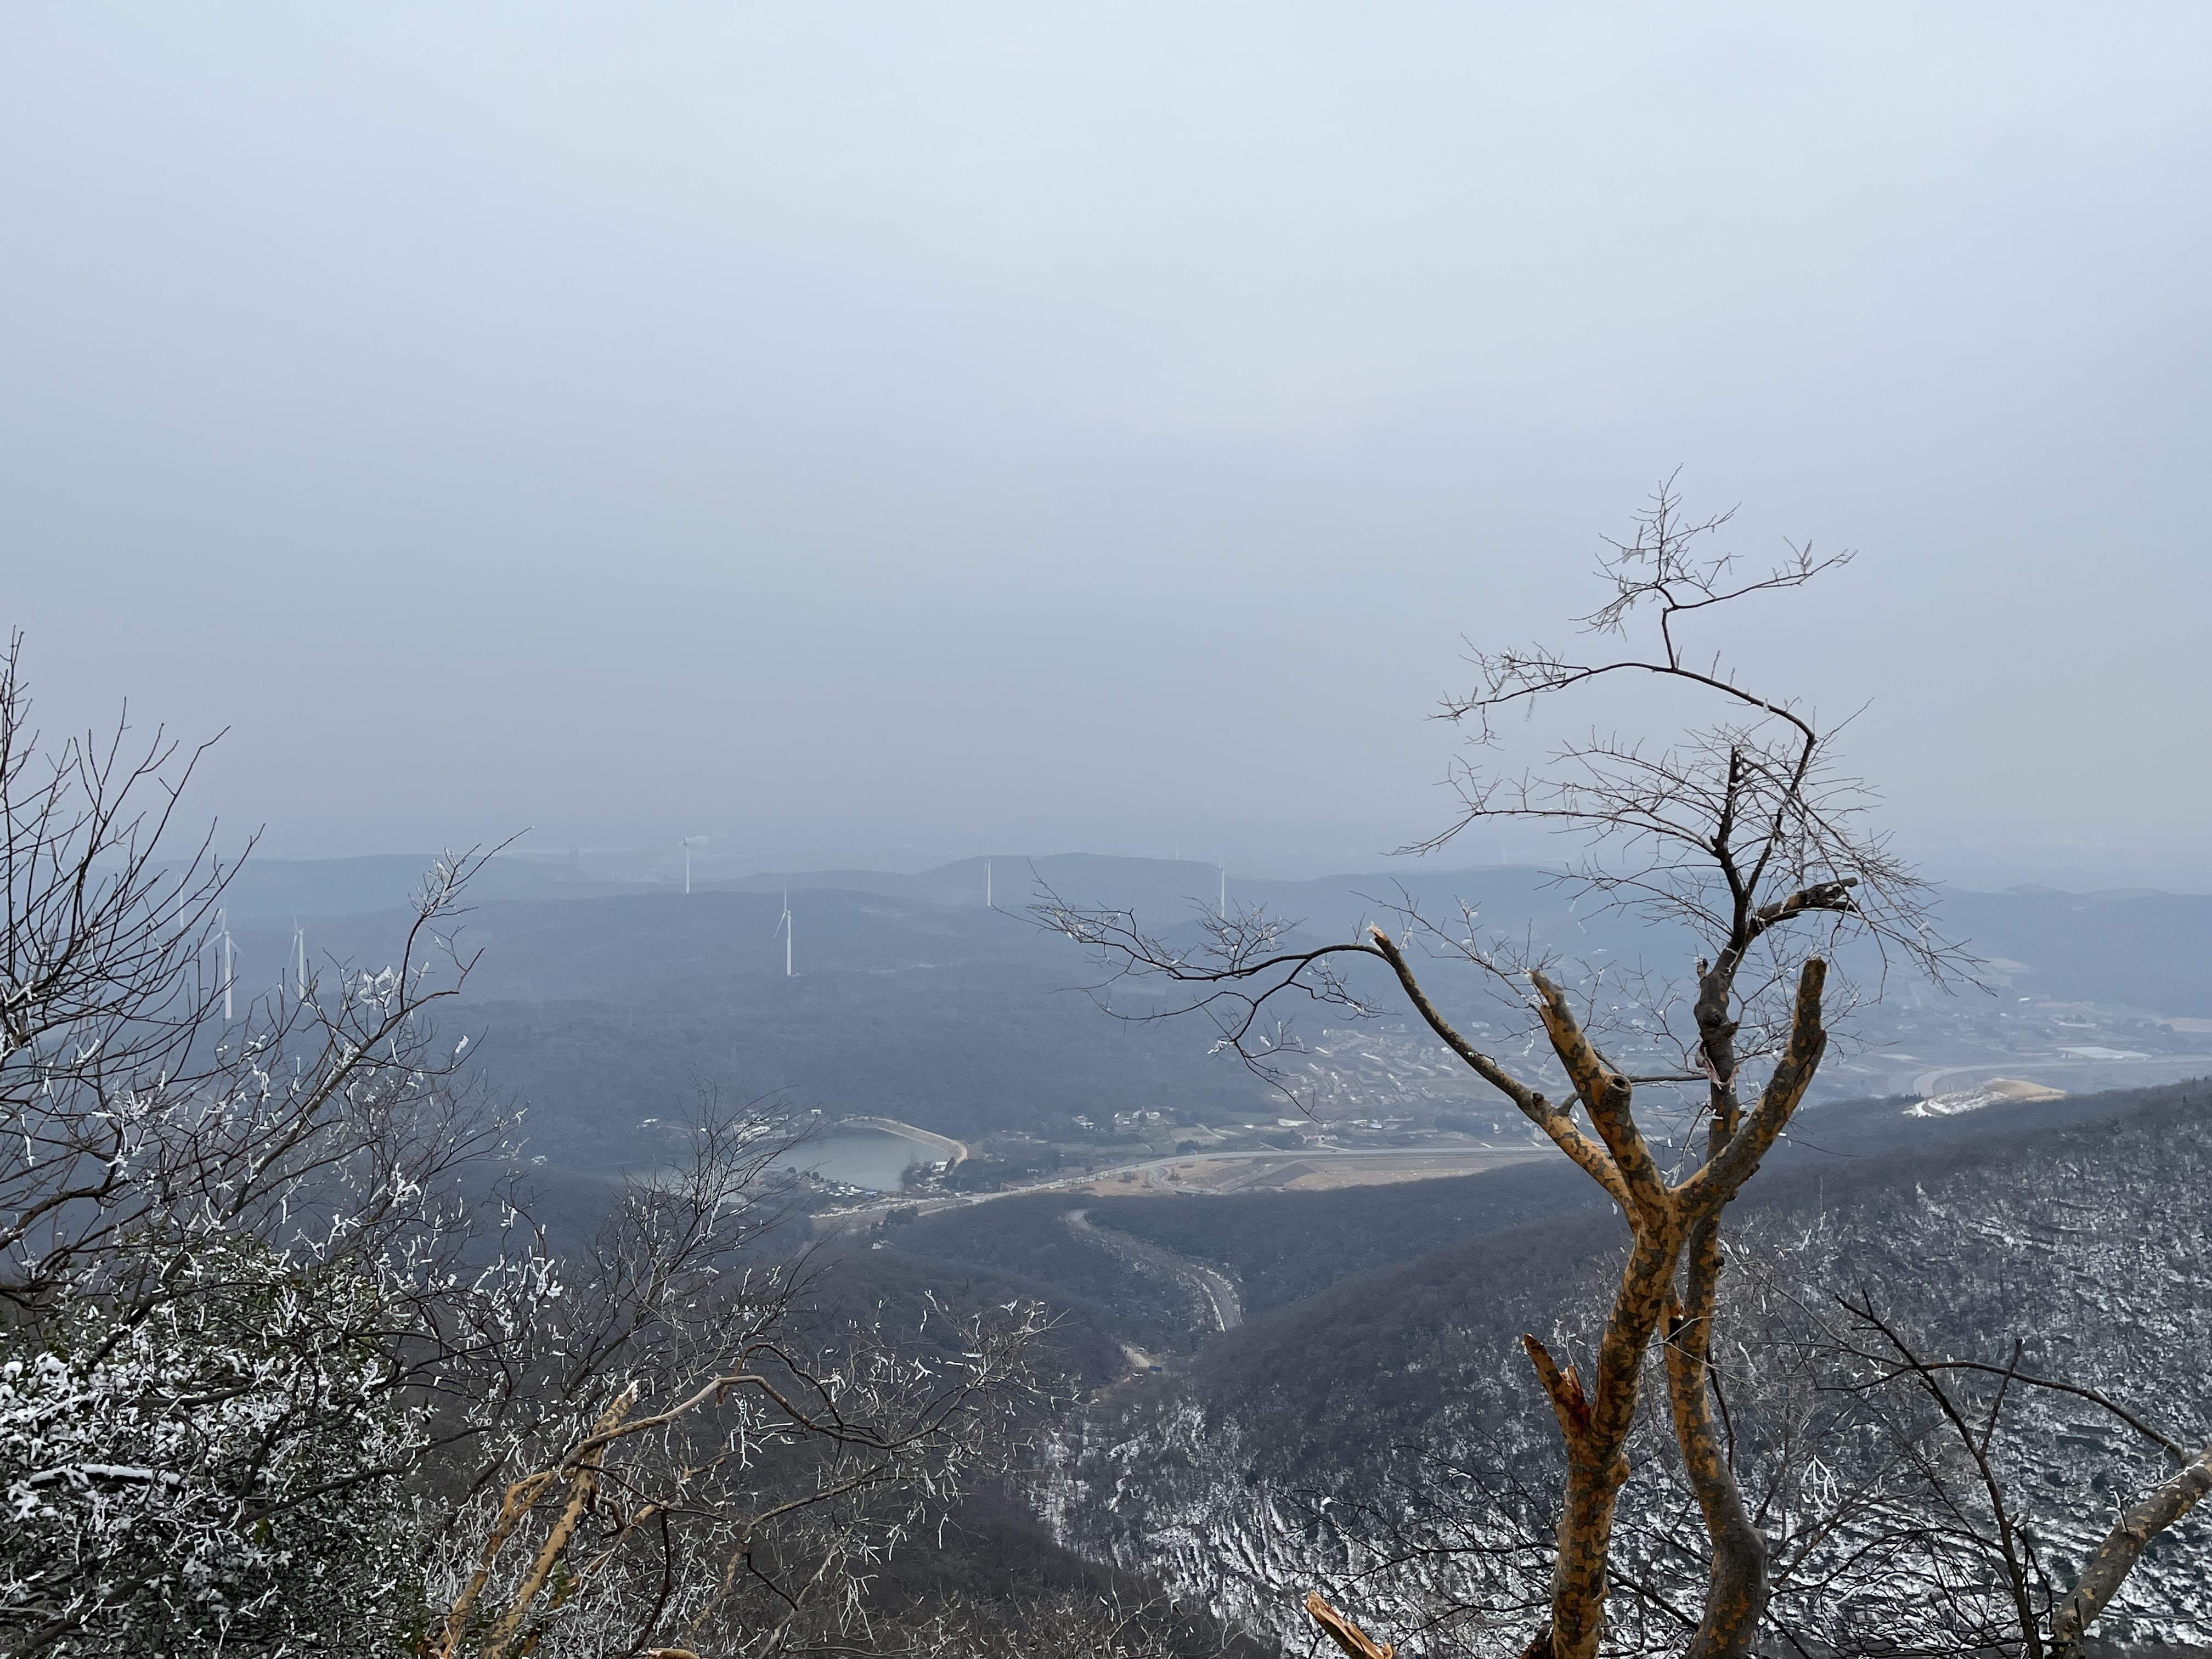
column 1213, row 1287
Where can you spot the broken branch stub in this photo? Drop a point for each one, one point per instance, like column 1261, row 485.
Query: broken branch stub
column 1354, row 1641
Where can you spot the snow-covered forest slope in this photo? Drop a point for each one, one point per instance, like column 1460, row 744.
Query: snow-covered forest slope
column 1382, row 1436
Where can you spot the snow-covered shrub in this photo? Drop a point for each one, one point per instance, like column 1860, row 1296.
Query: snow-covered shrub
column 226, row 1474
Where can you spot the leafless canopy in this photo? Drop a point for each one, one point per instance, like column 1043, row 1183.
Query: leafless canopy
column 1742, row 835
column 1742, row 823
column 124, row 1087
column 284, row 1361
column 1998, row 1587
column 1743, row 845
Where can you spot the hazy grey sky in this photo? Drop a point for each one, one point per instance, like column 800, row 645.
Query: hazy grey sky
column 956, row 427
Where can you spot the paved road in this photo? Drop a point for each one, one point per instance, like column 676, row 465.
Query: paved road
column 1219, row 1293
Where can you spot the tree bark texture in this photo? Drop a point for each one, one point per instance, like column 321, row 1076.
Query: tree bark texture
column 1595, row 1423
column 2113, row 1559
column 1594, row 1426
column 1356, row 1643
column 1736, row 1587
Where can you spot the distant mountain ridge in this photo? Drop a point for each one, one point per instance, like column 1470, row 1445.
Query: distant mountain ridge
column 2133, row 947
column 607, row 1007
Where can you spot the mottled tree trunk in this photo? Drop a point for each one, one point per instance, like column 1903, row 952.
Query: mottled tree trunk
column 1594, row 1427
column 1594, row 1424
column 1736, row 1583
column 1736, row 1587
column 2113, row 1559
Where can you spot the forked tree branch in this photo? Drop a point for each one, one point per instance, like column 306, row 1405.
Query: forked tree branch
column 1738, row 834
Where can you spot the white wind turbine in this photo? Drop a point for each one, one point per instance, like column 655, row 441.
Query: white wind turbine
column 688, row 843
column 299, row 958
column 222, row 926
column 987, row 884
column 783, row 924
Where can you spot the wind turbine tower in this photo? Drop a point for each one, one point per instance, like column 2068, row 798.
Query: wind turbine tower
column 299, row 957
column 1225, row 890
column 987, row 884
column 690, row 842
column 222, row 924
column 786, row 925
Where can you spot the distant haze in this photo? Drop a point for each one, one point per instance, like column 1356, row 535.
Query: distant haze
column 881, row 434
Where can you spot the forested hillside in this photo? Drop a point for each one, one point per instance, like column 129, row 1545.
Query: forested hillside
column 604, row 1012
column 1392, row 1418
column 1227, row 830
column 605, row 1005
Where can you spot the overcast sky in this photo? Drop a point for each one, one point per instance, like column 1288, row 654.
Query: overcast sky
column 906, row 430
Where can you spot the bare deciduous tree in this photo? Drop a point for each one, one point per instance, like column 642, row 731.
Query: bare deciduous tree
column 1917, row 1506
column 1957, row 1500
column 739, row 1510
column 213, row 1227
column 1742, row 836
column 284, row 1363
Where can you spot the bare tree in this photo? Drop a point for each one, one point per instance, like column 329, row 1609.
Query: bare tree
column 2116, row 1553
column 1917, row 1506
column 285, row 1364
column 213, row 1225
column 1958, row 1506
column 741, row 1507
column 1741, row 835
column 689, row 1465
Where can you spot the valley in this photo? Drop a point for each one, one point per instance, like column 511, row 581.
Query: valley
column 609, row 1005
column 1282, row 1316
column 1106, row 832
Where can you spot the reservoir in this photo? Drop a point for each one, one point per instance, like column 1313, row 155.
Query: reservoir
column 860, row 1157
